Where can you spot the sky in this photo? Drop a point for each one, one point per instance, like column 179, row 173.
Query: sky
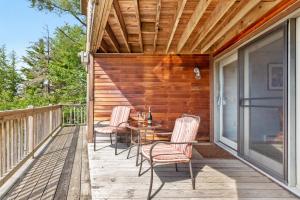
column 21, row 25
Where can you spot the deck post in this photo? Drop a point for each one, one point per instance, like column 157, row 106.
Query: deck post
column 90, row 96
column 30, row 131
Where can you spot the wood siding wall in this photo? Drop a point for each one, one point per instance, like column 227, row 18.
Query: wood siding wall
column 167, row 83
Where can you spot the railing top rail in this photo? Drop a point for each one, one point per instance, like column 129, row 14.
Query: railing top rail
column 28, row 110
column 73, row 104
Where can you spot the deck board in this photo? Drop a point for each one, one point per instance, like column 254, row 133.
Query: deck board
column 115, row 177
column 57, row 172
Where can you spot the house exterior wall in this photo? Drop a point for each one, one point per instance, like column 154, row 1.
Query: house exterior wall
column 165, row 82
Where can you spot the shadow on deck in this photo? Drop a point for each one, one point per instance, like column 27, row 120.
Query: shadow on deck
column 61, row 171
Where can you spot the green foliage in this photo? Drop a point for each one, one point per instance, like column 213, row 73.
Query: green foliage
column 10, row 79
column 71, row 7
column 52, row 73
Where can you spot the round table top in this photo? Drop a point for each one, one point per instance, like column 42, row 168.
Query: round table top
column 143, row 125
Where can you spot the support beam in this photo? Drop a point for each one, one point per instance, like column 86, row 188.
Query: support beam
column 118, row 15
column 158, row 7
column 104, row 47
column 248, row 6
column 137, row 10
column 101, row 13
column 112, row 38
column 180, row 8
column 218, row 13
column 197, row 15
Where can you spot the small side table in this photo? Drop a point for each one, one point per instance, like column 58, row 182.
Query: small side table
column 142, row 129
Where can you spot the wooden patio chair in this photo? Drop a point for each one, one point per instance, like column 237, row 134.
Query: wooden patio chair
column 178, row 150
column 116, row 124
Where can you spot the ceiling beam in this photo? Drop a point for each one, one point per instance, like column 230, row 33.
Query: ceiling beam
column 180, row 8
column 197, row 15
column 118, row 15
column 137, row 10
column 112, row 38
column 101, row 13
column 247, row 7
column 104, row 47
column 158, row 7
column 217, row 14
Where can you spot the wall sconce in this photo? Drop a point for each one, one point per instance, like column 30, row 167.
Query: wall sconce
column 197, row 73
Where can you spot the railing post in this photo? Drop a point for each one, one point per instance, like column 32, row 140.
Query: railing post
column 50, row 120
column 31, row 131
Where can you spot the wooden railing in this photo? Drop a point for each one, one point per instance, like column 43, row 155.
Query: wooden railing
column 22, row 132
column 75, row 114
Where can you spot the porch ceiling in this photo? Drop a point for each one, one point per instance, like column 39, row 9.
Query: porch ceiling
column 172, row 26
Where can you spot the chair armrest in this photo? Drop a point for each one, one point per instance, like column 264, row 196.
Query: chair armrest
column 100, row 123
column 163, row 133
column 166, row 142
column 121, row 124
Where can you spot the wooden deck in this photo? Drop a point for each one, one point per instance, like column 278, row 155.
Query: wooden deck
column 69, row 168
column 115, row 177
column 60, row 172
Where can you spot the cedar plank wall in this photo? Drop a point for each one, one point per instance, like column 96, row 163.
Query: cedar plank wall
column 166, row 83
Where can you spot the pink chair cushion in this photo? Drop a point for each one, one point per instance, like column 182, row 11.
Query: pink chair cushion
column 164, row 153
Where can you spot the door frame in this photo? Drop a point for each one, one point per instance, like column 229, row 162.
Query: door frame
column 225, row 59
column 222, row 64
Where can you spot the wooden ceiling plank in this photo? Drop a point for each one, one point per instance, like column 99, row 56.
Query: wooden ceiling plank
column 248, row 6
column 218, row 13
column 137, row 10
column 195, row 18
column 112, row 38
column 158, row 8
column 118, row 15
column 102, row 10
column 180, row 8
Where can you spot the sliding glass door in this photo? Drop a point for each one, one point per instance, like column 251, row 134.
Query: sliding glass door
column 228, row 101
column 262, row 101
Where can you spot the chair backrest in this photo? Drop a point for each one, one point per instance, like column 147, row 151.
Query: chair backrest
column 185, row 130
column 119, row 114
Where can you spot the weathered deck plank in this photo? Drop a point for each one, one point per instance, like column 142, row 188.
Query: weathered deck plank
column 57, row 172
column 115, row 177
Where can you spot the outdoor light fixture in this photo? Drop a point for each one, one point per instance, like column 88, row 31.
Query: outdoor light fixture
column 84, row 57
column 197, row 73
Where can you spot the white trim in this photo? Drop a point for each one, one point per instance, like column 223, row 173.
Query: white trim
column 298, row 100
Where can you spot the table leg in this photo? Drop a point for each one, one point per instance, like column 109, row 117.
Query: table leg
column 138, row 148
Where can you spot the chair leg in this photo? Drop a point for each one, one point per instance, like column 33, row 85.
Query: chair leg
column 192, row 175
column 176, row 168
column 140, row 170
column 151, row 181
column 129, row 150
column 94, row 142
column 116, row 146
column 110, row 138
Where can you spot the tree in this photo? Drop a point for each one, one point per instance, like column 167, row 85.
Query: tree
column 36, row 72
column 71, row 7
column 66, row 74
column 10, row 79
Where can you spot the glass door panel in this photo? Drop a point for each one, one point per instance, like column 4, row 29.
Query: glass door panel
column 228, row 101
column 263, row 102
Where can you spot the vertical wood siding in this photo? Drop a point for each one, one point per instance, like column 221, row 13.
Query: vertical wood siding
column 166, row 83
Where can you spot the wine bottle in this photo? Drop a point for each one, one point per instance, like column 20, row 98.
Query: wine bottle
column 149, row 116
